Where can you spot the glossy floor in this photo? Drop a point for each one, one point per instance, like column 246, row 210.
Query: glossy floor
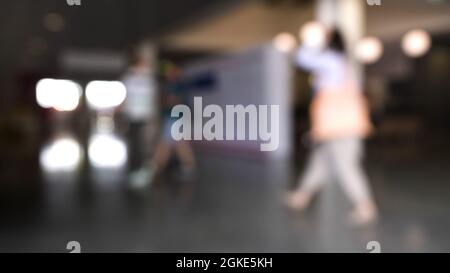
column 231, row 205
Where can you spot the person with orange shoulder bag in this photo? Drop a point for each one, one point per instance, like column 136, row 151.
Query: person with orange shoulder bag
column 340, row 121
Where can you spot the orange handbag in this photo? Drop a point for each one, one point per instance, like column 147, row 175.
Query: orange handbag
column 340, row 113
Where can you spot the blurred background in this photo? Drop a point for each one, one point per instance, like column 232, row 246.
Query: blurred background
column 65, row 140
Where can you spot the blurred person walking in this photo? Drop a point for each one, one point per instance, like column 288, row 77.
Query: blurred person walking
column 172, row 94
column 140, row 107
column 340, row 121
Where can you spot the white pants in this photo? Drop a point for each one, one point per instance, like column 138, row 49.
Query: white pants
column 341, row 159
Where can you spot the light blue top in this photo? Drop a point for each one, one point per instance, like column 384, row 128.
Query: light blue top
column 329, row 67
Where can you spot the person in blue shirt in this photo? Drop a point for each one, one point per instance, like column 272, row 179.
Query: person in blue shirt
column 173, row 93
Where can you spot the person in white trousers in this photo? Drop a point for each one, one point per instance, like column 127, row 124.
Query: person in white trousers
column 340, row 121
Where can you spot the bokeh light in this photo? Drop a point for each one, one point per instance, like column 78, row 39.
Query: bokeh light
column 103, row 95
column 416, row 43
column 62, row 155
column 285, row 42
column 369, row 50
column 313, row 34
column 107, row 151
column 62, row 95
column 54, row 22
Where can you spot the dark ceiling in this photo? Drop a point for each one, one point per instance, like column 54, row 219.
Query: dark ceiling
column 106, row 24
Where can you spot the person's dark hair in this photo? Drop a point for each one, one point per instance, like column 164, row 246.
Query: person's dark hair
column 337, row 41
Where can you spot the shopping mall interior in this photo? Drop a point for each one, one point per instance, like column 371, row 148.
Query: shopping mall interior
column 65, row 158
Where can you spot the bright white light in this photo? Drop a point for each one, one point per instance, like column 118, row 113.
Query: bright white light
column 369, row 50
column 285, row 42
column 62, row 155
column 68, row 97
column 105, row 94
column 62, row 95
column 107, row 151
column 416, row 43
column 313, row 34
column 44, row 93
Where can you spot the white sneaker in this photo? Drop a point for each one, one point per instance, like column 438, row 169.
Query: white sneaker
column 141, row 178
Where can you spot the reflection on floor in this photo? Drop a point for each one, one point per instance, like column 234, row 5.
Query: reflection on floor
column 231, row 205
